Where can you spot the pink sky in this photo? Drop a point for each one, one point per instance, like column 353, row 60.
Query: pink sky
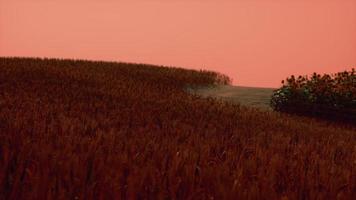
column 256, row 42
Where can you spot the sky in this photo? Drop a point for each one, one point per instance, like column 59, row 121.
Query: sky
column 255, row 42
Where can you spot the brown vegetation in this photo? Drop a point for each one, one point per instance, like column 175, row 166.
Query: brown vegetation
column 97, row 130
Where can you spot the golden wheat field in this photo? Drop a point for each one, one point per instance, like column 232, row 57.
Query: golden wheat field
column 74, row 129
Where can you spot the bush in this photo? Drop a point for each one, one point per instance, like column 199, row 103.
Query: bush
column 331, row 96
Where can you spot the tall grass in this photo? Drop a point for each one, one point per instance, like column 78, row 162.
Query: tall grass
column 98, row 130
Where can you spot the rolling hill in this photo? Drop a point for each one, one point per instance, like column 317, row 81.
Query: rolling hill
column 76, row 129
column 248, row 96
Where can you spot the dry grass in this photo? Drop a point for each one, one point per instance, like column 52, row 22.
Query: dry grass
column 95, row 130
column 248, row 96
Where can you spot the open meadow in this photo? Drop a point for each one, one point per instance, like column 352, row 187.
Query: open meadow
column 248, row 96
column 75, row 129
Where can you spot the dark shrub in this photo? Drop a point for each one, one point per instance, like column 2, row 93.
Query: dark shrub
column 330, row 96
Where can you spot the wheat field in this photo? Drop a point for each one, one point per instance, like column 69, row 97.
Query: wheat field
column 75, row 129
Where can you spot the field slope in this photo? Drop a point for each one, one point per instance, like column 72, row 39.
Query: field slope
column 248, row 96
column 103, row 130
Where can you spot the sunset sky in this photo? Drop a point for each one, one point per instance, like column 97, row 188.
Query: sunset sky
column 256, row 42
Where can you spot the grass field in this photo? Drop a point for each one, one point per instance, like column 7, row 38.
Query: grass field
column 248, row 96
column 104, row 130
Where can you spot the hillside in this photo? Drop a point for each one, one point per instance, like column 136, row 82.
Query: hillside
column 104, row 130
column 248, row 96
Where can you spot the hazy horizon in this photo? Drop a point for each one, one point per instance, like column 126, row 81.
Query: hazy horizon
column 256, row 43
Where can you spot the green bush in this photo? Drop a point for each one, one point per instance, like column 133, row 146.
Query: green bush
column 332, row 96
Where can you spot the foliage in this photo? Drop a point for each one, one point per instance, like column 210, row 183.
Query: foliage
column 331, row 96
column 98, row 130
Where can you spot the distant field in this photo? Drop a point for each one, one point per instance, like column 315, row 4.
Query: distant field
column 249, row 96
column 75, row 129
